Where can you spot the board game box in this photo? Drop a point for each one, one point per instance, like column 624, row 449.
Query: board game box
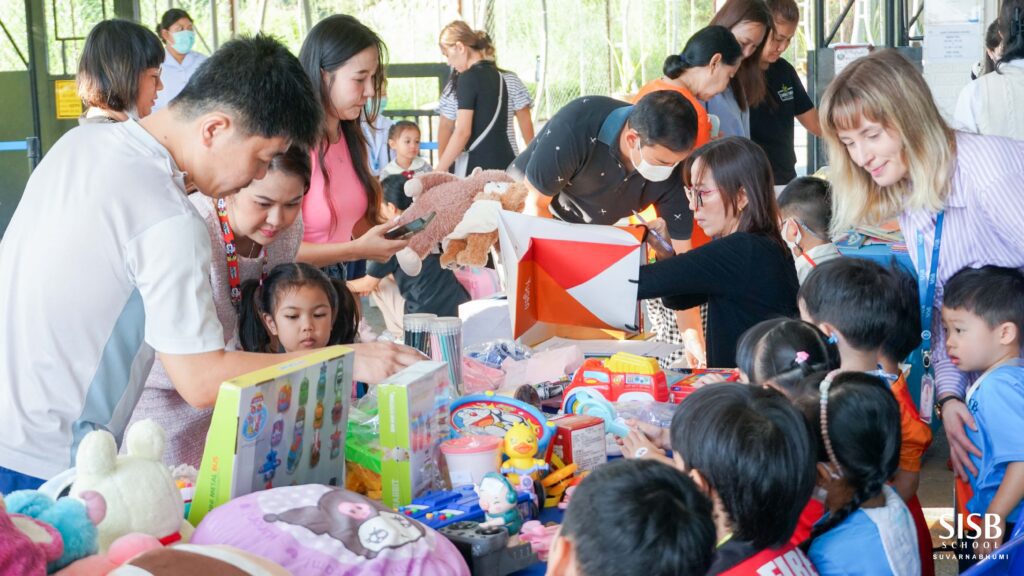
column 280, row 426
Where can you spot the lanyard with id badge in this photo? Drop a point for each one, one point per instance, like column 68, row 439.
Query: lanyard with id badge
column 926, row 280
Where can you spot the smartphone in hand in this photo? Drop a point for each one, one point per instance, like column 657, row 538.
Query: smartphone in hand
column 409, row 229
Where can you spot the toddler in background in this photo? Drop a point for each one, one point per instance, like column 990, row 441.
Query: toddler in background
column 404, row 140
column 805, row 205
column 634, row 517
column 297, row 307
column 983, row 313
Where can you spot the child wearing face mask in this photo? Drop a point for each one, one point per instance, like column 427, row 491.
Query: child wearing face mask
column 806, row 209
column 867, row 528
column 297, row 307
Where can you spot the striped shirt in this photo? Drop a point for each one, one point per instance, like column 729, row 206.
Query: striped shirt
column 984, row 225
column 518, row 98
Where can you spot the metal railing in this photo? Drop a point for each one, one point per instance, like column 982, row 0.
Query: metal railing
column 30, row 145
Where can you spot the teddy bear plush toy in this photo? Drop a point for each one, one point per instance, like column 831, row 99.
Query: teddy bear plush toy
column 472, row 238
column 138, row 489
column 449, row 197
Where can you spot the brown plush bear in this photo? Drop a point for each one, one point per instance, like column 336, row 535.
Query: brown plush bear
column 449, row 197
column 470, row 241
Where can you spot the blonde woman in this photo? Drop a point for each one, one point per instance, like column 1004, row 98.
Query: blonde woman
column 480, row 124
column 892, row 155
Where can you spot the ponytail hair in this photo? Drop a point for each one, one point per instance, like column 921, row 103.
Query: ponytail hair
column 1011, row 27
column 784, row 351
column 857, row 423
column 478, row 40
column 263, row 298
column 346, row 316
column 701, row 48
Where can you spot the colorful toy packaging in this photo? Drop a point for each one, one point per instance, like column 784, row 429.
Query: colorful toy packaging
column 579, row 439
column 413, row 409
column 280, row 426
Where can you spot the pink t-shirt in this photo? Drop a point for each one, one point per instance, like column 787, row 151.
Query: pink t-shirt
column 347, row 194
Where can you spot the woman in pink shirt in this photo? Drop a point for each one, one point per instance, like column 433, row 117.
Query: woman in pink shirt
column 892, row 155
column 341, row 211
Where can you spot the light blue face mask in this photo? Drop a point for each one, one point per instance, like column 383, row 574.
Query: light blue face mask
column 184, row 40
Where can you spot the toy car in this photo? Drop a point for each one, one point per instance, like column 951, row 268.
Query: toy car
column 622, row 378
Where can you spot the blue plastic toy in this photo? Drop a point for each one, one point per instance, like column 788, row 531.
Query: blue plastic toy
column 443, row 507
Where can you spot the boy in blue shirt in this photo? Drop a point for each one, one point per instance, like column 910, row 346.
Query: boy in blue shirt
column 983, row 313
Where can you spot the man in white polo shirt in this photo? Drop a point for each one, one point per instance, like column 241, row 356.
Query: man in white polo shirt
column 106, row 261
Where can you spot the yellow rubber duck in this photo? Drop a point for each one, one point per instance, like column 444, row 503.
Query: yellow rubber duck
column 521, row 447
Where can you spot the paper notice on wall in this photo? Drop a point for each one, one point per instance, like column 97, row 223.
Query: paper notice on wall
column 952, row 11
column 845, row 55
column 953, row 43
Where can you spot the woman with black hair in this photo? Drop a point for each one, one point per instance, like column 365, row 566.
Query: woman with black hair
column 177, row 32
column 251, row 232
column 344, row 59
column 867, row 528
column 751, row 23
column 990, row 105
column 700, row 72
column 745, row 274
column 119, row 72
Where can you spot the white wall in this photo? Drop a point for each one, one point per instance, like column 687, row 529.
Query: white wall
column 953, row 42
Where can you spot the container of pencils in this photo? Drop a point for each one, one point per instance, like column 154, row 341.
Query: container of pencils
column 417, row 331
column 446, row 346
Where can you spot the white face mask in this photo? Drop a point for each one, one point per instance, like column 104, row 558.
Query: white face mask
column 795, row 243
column 649, row 171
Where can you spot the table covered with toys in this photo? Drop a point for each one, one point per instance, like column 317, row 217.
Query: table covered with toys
column 458, row 465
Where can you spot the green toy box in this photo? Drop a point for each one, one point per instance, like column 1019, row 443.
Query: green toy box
column 413, row 408
column 280, row 426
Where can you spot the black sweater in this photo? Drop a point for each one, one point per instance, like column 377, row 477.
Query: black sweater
column 744, row 278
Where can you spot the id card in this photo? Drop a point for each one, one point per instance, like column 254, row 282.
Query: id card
column 927, row 407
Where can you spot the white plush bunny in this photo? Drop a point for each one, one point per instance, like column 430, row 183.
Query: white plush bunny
column 141, row 496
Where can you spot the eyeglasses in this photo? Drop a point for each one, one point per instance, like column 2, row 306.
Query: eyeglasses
column 696, row 196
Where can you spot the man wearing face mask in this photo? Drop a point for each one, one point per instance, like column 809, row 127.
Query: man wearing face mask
column 598, row 159
column 176, row 31
column 806, row 209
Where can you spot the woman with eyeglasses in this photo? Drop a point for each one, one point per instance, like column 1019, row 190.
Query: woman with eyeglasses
column 745, row 274
column 119, row 72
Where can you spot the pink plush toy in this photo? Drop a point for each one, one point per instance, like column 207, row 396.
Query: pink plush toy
column 449, row 197
column 22, row 554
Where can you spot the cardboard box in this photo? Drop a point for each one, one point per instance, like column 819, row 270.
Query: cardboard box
column 413, row 409
column 580, row 439
column 280, row 426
